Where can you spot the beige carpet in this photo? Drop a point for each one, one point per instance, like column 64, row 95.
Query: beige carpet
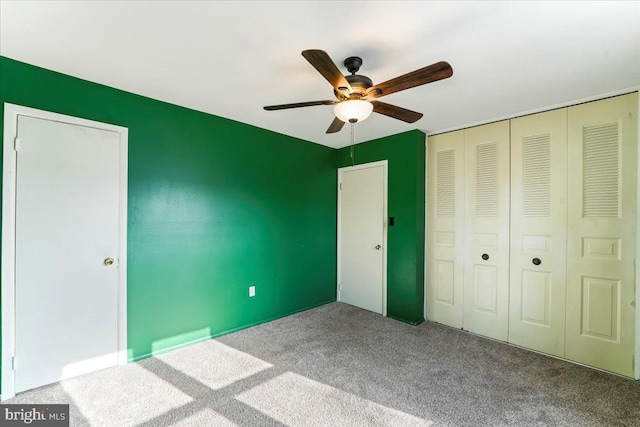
column 337, row 365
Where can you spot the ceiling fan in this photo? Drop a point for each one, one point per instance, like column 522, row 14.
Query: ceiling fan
column 356, row 93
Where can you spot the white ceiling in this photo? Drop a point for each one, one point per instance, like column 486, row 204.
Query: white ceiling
column 232, row 58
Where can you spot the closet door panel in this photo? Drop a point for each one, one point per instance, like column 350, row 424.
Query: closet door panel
column 445, row 230
column 602, row 216
column 538, row 231
column 486, row 245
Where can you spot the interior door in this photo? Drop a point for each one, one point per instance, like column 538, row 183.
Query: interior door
column 445, row 231
column 486, row 246
column 602, row 187
column 538, row 231
column 67, row 195
column 361, row 236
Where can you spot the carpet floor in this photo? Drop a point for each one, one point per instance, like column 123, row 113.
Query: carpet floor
column 338, row 365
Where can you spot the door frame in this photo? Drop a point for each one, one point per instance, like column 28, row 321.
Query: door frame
column 7, row 268
column 635, row 261
column 385, row 180
column 426, row 314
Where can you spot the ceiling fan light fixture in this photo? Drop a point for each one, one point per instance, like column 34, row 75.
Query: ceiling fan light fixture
column 354, row 90
column 353, row 110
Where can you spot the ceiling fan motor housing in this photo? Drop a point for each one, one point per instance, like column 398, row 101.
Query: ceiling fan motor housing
column 359, row 84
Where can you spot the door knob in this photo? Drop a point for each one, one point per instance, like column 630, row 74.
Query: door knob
column 378, row 247
column 108, row 261
column 485, row 256
column 536, row 261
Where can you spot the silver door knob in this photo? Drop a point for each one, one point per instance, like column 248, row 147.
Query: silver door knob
column 378, row 247
column 108, row 261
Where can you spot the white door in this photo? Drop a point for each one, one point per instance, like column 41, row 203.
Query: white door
column 445, row 230
column 361, row 236
column 601, row 235
column 538, row 231
column 67, row 224
column 486, row 246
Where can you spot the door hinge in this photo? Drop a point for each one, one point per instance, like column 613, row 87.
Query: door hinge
column 16, row 144
column 14, row 363
column 339, row 287
column 340, row 186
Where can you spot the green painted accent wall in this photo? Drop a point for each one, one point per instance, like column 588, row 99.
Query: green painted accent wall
column 405, row 153
column 214, row 206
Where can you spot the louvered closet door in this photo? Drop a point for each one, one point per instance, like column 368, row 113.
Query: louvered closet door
column 445, row 233
column 538, row 231
column 486, row 271
column 602, row 233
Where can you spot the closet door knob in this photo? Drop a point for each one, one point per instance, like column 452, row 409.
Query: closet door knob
column 485, row 256
column 536, row 261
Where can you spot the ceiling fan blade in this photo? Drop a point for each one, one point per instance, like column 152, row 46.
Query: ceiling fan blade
column 434, row 72
column 396, row 112
column 325, row 66
column 335, row 126
column 298, row 105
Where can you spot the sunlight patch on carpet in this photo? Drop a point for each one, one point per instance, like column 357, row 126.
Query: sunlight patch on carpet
column 214, row 364
column 206, row 417
column 296, row 400
column 123, row 395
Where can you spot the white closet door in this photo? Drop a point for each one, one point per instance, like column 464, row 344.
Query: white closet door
column 445, row 232
column 486, row 271
column 538, row 231
column 602, row 189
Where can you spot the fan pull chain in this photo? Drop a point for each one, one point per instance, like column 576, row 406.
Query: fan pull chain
column 353, row 160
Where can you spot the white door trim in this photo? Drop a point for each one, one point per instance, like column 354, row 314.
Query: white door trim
column 7, row 273
column 385, row 169
column 635, row 261
column 425, row 311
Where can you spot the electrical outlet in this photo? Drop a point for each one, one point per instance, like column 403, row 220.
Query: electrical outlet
column 252, row 291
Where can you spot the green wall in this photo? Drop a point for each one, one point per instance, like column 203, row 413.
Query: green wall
column 214, row 207
column 405, row 153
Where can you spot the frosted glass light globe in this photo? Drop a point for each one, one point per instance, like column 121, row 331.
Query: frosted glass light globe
column 353, row 110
